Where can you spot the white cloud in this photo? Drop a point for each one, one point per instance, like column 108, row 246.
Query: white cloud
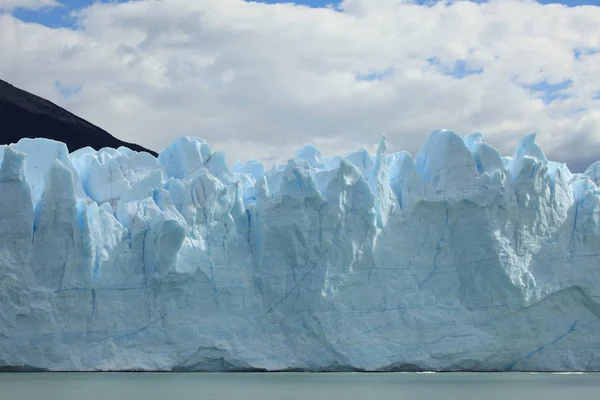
column 8, row 5
column 261, row 80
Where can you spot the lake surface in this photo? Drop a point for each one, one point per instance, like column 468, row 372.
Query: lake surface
column 306, row 386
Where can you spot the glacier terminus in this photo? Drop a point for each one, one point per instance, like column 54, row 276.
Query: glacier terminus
column 454, row 259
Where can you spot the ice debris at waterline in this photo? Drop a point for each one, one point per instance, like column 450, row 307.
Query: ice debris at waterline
column 456, row 259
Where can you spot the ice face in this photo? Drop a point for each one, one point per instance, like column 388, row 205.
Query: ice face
column 455, row 259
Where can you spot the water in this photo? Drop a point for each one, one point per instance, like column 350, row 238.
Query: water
column 306, row 386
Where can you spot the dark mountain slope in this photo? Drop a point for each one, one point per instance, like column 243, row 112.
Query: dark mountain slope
column 25, row 115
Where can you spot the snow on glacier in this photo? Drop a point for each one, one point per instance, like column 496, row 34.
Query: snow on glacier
column 454, row 259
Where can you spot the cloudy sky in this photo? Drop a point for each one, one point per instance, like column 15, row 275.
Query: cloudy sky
column 260, row 79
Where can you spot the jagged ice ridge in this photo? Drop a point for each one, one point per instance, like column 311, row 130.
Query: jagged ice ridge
column 456, row 259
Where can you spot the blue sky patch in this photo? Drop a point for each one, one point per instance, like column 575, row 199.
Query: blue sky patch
column 309, row 3
column 55, row 17
column 375, row 75
column 579, row 53
column 459, row 71
column 549, row 92
column 65, row 90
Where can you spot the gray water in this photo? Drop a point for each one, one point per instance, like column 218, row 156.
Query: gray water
column 306, row 386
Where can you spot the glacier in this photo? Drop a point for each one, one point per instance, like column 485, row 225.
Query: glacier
column 456, row 259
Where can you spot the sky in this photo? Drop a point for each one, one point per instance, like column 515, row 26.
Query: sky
column 261, row 79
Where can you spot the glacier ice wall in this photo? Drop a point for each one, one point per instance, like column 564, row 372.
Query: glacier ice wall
column 455, row 259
